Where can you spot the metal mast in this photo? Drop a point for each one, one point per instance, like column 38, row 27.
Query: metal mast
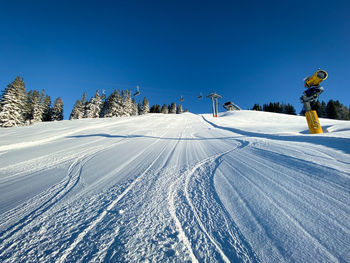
column 215, row 96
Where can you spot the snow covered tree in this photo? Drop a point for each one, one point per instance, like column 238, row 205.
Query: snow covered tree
column 179, row 109
column 172, row 108
column 36, row 108
column 155, row 109
column 127, row 105
column 13, row 102
column 139, row 108
column 164, row 109
column 46, row 108
column 79, row 108
column 135, row 110
column 57, row 110
column 76, row 113
column 93, row 107
column 145, row 106
column 113, row 105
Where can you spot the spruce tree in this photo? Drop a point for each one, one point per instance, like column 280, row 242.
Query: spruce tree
column 139, row 108
column 47, row 108
column 36, row 107
column 257, row 107
column 135, row 111
column 57, row 110
column 93, row 107
column 332, row 110
column 164, row 109
column 179, row 109
column 145, row 106
column 79, row 108
column 172, row 108
column 13, row 104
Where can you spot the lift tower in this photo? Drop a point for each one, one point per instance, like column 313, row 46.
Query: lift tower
column 214, row 96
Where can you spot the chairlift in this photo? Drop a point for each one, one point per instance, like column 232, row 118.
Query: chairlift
column 137, row 91
column 200, row 96
column 182, row 99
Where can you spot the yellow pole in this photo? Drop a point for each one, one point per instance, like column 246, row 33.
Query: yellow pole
column 313, row 122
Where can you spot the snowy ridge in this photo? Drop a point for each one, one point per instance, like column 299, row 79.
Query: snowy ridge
column 245, row 187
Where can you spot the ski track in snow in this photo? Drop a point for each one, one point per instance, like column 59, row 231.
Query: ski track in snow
column 111, row 206
column 179, row 189
column 63, row 188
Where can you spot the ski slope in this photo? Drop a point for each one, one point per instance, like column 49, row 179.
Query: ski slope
column 245, row 187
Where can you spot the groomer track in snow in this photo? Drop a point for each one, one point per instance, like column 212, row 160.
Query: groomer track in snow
column 245, row 187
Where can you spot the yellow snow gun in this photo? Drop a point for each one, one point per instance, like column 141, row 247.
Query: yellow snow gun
column 315, row 80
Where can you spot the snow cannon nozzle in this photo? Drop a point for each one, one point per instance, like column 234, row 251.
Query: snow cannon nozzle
column 316, row 79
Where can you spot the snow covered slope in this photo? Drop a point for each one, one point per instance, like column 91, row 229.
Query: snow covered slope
column 245, row 187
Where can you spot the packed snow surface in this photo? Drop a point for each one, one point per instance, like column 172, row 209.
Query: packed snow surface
column 244, row 187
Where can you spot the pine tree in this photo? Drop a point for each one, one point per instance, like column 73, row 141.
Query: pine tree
column 179, row 109
column 164, row 109
column 79, row 108
column 113, row 105
column 93, row 107
column 172, row 108
column 47, row 108
column 145, row 106
column 13, row 104
column 36, row 107
column 288, row 109
column 127, row 104
column 332, row 110
column 135, row 111
column 139, row 108
column 257, row 107
column 57, row 110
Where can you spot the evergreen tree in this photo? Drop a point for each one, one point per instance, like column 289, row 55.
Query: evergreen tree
column 13, row 102
column 47, row 108
column 257, row 107
column 57, row 110
column 139, row 108
column 331, row 110
column 172, row 108
column 135, row 110
column 113, row 105
column 76, row 113
column 145, row 106
column 36, row 107
column 127, row 104
column 93, row 107
column 179, row 109
column 164, row 109
column 288, row 109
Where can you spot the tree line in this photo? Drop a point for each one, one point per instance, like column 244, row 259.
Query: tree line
column 332, row 110
column 19, row 107
column 276, row 107
column 118, row 104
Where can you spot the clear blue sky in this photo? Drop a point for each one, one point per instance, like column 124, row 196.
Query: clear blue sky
column 247, row 51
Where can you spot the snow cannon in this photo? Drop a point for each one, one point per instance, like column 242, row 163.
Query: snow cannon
column 312, row 92
column 316, row 79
